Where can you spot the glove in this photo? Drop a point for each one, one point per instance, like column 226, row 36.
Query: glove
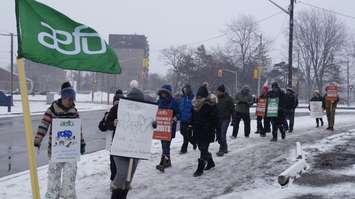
column 82, row 148
column 37, row 141
column 154, row 124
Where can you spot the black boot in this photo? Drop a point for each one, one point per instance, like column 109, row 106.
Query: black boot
column 119, row 194
column 200, row 167
column 283, row 135
column 167, row 162
column 184, row 148
column 210, row 164
column 160, row 166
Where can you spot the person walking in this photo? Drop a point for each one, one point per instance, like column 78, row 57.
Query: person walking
column 204, row 124
column 243, row 102
column 225, row 106
column 277, row 96
column 186, row 109
column 262, row 129
column 291, row 103
column 119, row 185
column 166, row 101
column 110, row 124
column 61, row 175
column 317, row 97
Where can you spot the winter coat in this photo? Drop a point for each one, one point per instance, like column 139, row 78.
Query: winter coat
column 225, row 107
column 204, row 120
column 56, row 110
column 291, row 101
column 136, row 94
column 243, row 101
column 278, row 93
column 316, row 99
column 170, row 103
column 185, row 107
column 328, row 104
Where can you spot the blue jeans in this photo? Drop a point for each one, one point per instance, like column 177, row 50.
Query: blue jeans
column 222, row 134
column 165, row 145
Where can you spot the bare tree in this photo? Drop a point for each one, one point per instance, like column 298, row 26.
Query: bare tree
column 319, row 38
column 172, row 57
column 243, row 38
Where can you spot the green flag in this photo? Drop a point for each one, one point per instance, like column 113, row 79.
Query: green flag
column 49, row 37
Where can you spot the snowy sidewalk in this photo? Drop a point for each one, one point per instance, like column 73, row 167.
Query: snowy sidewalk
column 251, row 164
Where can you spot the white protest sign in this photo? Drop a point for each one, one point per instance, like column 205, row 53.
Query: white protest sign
column 66, row 140
column 316, row 109
column 134, row 131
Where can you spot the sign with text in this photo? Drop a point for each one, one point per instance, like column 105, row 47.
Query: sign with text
column 332, row 93
column 316, row 109
column 261, row 107
column 133, row 137
column 66, row 137
column 273, row 107
column 164, row 121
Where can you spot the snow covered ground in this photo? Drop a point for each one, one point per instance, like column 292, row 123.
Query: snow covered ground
column 249, row 170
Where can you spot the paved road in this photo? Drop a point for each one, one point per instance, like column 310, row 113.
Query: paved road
column 12, row 135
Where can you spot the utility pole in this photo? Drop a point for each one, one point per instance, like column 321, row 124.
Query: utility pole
column 12, row 71
column 11, row 35
column 290, row 12
column 290, row 45
column 260, row 63
column 348, row 81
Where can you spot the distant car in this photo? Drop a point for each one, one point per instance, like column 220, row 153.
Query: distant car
column 43, row 92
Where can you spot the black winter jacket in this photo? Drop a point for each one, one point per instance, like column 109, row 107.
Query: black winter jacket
column 291, row 101
column 204, row 122
column 225, row 107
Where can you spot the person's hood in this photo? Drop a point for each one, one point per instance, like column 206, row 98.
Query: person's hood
column 165, row 89
column 186, row 90
column 202, row 92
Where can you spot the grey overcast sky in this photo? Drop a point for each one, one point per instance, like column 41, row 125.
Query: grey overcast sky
column 173, row 22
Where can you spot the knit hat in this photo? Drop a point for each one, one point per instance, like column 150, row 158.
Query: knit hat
column 221, row 88
column 68, row 93
column 274, row 85
column 134, row 84
column 118, row 94
column 165, row 88
column 65, row 85
column 202, row 92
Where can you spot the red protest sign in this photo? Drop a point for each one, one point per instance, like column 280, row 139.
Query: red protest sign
column 332, row 93
column 261, row 107
column 164, row 121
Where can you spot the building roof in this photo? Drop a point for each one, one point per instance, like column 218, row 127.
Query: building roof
column 128, row 41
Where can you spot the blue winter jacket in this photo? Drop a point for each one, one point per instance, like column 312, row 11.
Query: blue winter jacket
column 185, row 107
column 170, row 103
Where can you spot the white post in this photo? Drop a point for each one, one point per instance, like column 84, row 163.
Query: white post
column 292, row 172
column 299, row 151
column 130, row 166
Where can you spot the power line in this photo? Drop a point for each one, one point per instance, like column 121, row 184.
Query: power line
column 224, row 34
column 327, row 10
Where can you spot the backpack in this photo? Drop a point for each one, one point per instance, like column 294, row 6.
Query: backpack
column 102, row 124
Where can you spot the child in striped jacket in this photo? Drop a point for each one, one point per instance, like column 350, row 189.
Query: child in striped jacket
column 61, row 108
